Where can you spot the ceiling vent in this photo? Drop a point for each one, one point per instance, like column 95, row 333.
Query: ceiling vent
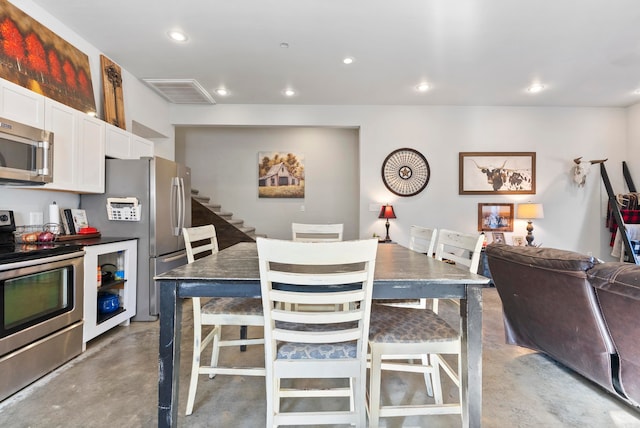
column 181, row 91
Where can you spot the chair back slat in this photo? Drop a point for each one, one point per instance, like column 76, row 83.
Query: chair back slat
column 303, row 232
column 422, row 239
column 198, row 240
column 336, row 274
column 461, row 248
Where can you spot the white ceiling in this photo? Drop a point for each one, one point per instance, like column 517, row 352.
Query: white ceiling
column 472, row 52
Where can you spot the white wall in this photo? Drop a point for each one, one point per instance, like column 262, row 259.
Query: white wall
column 224, row 162
column 574, row 217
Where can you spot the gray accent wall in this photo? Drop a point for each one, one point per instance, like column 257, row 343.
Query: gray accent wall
column 224, row 165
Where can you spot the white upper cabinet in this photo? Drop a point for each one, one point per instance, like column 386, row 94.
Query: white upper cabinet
column 21, row 104
column 78, row 149
column 125, row 145
column 118, row 142
column 90, row 154
column 141, row 147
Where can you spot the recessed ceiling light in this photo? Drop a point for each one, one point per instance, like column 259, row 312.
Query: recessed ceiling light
column 222, row 92
column 637, row 91
column 177, row 36
column 535, row 88
column 284, row 45
column 423, row 87
column 289, row 92
column 348, row 60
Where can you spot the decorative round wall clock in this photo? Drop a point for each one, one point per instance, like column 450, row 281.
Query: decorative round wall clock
column 405, row 172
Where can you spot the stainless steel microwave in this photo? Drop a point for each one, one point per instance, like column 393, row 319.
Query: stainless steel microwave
column 26, row 154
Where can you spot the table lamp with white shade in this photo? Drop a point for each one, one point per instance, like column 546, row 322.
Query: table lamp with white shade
column 530, row 211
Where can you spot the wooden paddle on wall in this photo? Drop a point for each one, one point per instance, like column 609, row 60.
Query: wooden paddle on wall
column 112, row 92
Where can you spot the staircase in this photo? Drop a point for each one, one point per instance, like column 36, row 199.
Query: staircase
column 219, row 218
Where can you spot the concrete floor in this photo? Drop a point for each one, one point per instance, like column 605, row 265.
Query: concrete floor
column 114, row 384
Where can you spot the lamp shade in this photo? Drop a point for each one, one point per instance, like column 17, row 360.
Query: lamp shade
column 387, row 212
column 530, row 211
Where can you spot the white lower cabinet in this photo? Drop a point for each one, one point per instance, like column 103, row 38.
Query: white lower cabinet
column 111, row 256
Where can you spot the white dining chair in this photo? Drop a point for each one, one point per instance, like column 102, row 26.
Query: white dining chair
column 304, row 232
column 217, row 312
column 302, row 345
column 420, row 337
column 421, row 240
column 462, row 249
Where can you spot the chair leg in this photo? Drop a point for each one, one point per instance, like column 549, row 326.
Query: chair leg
column 374, row 387
column 195, row 367
column 437, row 385
column 215, row 348
column 427, row 375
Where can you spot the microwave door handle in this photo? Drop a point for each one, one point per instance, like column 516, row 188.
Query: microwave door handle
column 47, row 154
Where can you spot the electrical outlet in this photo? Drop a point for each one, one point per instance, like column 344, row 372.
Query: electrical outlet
column 302, row 208
column 36, row 218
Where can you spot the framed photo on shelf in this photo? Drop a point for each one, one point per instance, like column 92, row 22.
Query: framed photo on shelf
column 498, row 237
column 519, row 241
column 494, row 217
column 497, row 173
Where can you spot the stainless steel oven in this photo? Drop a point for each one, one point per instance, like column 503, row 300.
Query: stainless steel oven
column 41, row 311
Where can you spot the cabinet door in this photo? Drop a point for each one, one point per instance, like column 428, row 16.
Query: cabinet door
column 21, row 104
column 118, row 142
column 61, row 120
column 90, row 154
column 141, row 147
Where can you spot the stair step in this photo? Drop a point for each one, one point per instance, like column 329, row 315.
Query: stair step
column 236, row 222
column 224, row 214
column 194, row 191
column 213, row 207
column 248, row 230
column 202, row 199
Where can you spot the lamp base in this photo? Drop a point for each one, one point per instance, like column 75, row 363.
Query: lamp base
column 387, row 238
column 529, row 236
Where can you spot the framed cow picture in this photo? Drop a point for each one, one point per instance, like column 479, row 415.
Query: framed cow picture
column 491, row 173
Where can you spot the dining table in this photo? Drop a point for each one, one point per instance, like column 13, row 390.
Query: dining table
column 400, row 273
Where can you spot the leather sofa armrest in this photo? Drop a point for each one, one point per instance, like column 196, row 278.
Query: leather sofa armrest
column 545, row 258
column 618, row 278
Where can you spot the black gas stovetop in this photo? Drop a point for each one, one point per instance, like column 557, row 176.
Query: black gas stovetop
column 11, row 251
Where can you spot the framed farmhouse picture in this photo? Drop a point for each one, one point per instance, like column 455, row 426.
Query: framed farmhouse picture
column 280, row 175
column 495, row 217
column 491, row 173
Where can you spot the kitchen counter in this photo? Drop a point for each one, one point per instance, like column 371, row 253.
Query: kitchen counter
column 87, row 242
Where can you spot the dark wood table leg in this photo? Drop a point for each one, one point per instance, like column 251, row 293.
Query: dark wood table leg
column 471, row 370
column 169, row 354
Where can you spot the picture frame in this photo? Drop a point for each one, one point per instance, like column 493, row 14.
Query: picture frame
column 497, row 173
column 281, row 175
column 518, row 241
column 498, row 238
column 494, row 217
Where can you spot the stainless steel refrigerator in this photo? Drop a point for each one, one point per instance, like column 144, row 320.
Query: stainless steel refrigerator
column 163, row 188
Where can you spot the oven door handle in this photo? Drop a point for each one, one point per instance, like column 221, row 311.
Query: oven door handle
column 33, row 262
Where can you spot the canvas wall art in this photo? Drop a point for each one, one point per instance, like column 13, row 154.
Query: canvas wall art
column 280, row 175
column 490, row 173
column 34, row 57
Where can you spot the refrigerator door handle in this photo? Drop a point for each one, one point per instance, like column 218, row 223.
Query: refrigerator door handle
column 182, row 207
column 175, row 206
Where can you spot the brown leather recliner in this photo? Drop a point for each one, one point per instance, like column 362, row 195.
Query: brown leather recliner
column 617, row 286
column 550, row 306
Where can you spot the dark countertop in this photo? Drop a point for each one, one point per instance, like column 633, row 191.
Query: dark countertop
column 87, row 242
